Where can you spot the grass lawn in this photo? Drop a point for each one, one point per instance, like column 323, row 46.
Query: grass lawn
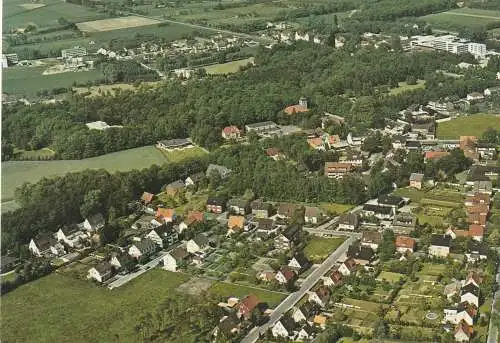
column 48, row 307
column 439, row 203
column 404, row 87
column 334, row 208
column 414, row 194
column 179, row 155
column 389, row 276
column 227, row 290
column 319, row 248
column 13, row 275
column 431, row 219
column 34, row 153
column 95, row 91
column 229, row 67
column 462, row 17
column 368, row 306
column 15, row 173
column 473, row 125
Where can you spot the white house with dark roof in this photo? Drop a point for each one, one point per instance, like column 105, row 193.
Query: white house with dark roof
column 94, row 223
column 101, row 272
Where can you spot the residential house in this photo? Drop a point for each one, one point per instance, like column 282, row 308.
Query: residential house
column 491, row 91
column 320, row 296
column 231, row 132
column 470, row 293
column 362, row 255
column 287, row 238
column 285, row 275
column 288, row 211
column 164, row 235
column 416, row 180
column 122, row 261
column 260, row 209
column 235, row 224
column 194, row 217
column 463, row 312
column 371, row 239
column 483, row 186
column 248, row 304
column 301, row 107
column 266, row 226
column 298, row 263
column 101, row 272
column 238, row 206
column 404, row 223
column 195, row 179
column 275, row 154
column 405, row 244
column 451, row 289
column 349, row 222
column 43, row 244
column 477, row 199
column 435, row 155
column 165, row 215
column 440, row 245
column 215, row 205
column 476, row 232
column 337, row 170
column 266, row 275
column 305, row 333
column 325, row 142
column 476, row 251
column 477, row 218
column 305, row 312
column 391, row 201
column 348, row 267
column 173, row 259
column 313, row 215
column 175, row 187
column 229, row 326
column 474, row 278
column 475, row 96
column 71, row 235
column 142, row 249
column 198, row 243
column 221, row 170
column 463, row 332
column 284, row 328
column 147, row 198
column 378, row 211
column 333, row 279
column 94, row 223
column 486, row 151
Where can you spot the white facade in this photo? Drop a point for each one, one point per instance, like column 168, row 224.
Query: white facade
column 471, row 298
column 169, row 263
column 153, row 235
column 134, row 252
column 314, row 297
column 344, row 270
column 439, row 251
column 294, row 264
column 281, row 278
column 279, row 330
column 192, row 247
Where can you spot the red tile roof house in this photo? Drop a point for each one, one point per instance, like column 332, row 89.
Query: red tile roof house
column 320, row 296
column 146, row 197
column 231, row 132
column 274, row 153
column 405, row 244
column 165, row 215
column 435, row 155
column 301, row 107
column 463, row 332
column 477, row 199
column 247, row 305
column 285, row 275
column 333, row 279
column 475, row 232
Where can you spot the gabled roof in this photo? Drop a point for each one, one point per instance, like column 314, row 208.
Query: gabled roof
column 377, row 209
column 231, row 129
column 434, row 155
column 103, row 267
column 194, row 217
column 360, row 253
column 288, row 210
column 481, row 208
column 96, row 220
column 229, row 323
column 287, row 273
column 236, row 222
column 238, row 202
column 178, row 184
column 44, row 241
column 309, row 309
column 288, row 323
column 197, row 177
column 441, row 240
column 350, row 264
column 469, row 308
column 405, row 242
column 179, row 253
column 349, row 219
column 392, row 200
column 301, row 260
column 313, row 212
column 336, row 276
column 476, row 230
column 248, row 303
column 260, row 205
column 374, row 237
column 223, row 171
column 463, row 327
column 147, row 197
column 470, row 288
column 201, row 240
column 69, row 229
column 295, row 109
column 291, row 232
column 322, row 292
column 145, row 245
column 265, row 224
column 162, row 212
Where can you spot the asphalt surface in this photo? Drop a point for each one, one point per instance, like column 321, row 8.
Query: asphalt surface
column 493, row 330
column 294, row 298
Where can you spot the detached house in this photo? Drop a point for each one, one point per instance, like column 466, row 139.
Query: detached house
column 143, row 249
column 163, row 235
column 440, row 245
column 215, row 205
column 306, row 312
column 287, row 238
column 416, row 180
column 470, row 294
column 174, row 188
column 320, row 296
column 476, row 251
column 391, row 201
column 349, row 222
column 165, row 215
column 238, row 206
column 299, row 263
column 362, row 255
column 337, row 170
column 147, row 198
column 235, row 224
column 313, row 215
column 173, row 259
column 348, row 267
column 284, row 328
column 229, row 326
column 94, row 223
column 266, row 226
column 333, row 279
column 102, row 272
column 405, row 244
column 231, row 132
column 71, row 235
column 285, row 275
column 43, row 244
column 404, row 223
column 477, row 199
column 261, row 209
column 195, row 179
column 122, row 261
column 463, row 332
column 248, row 304
column 289, row 210
column 377, row 211
column 463, row 312
column 371, row 239
column 198, row 243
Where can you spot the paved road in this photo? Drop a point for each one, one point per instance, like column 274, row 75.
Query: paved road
column 293, row 298
column 493, row 330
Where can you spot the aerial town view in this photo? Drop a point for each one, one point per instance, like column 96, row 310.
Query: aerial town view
column 250, row 171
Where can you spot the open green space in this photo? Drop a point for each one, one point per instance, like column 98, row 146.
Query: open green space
column 440, row 203
column 364, row 305
column 462, row 17
column 432, row 269
column 335, row 208
column 28, row 81
column 405, row 87
column 179, row 155
column 15, row 173
column 389, row 276
column 229, row 67
column 409, row 192
column 318, row 248
column 227, row 290
column 59, row 308
column 473, row 125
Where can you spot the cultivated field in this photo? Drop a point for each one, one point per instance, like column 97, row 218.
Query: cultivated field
column 463, row 17
column 228, row 68
column 115, row 24
column 61, row 309
column 318, row 248
column 473, row 125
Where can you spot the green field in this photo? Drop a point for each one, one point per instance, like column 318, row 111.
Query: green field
column 463, row 17
column 179, row 155
column 473, row 125
column 228, row 68
column 318, row 248
column 404, row 87
column 389, row 276
column 335, row 208
column 227, row 290
column 61, row 309
column 27, row 81
column 15, row 173
column 414, row 194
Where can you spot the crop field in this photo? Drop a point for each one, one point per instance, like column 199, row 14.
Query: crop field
column 473, row 125
column 15, row 173
column 463, row 17
column 18, row 14
column 28, row 81
column 227, row 290
column 115, row 24
column 229, row 67
column 318, row 248
column 404, row 87
column 48, row 307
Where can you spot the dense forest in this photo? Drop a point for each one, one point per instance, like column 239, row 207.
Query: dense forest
column 349, row 82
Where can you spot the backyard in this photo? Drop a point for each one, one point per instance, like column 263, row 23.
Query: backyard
column 473, row 125
column 48, row 307
column 229, row 67
column 318, row 248
column 226, row 290
column 462, row 17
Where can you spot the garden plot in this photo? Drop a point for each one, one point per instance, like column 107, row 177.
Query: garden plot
column 115, row 24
